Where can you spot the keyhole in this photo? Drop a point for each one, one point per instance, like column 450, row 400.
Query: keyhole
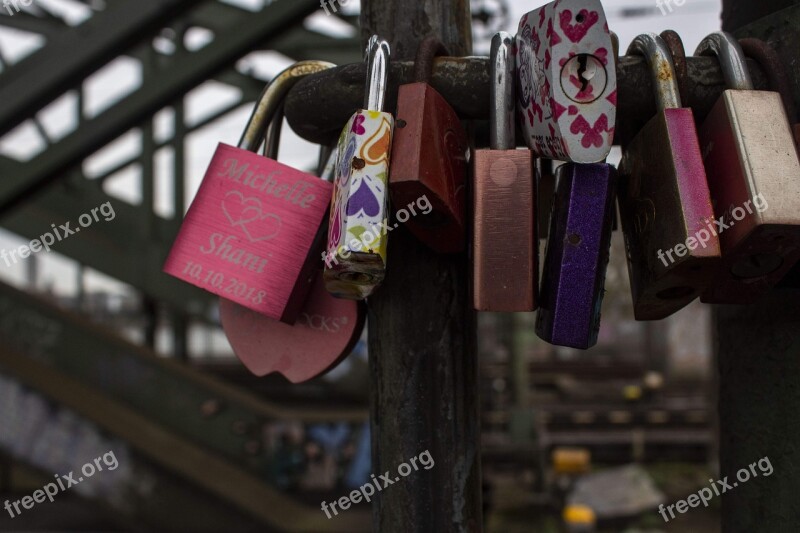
column 584, row 78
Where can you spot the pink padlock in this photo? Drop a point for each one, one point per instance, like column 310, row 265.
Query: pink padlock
column 249, row 233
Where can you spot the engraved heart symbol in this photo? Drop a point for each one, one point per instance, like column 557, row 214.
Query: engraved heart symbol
column 576, row 32
column 248, row 213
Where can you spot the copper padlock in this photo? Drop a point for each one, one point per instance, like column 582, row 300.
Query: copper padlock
column 505, row 244
column 430, row 157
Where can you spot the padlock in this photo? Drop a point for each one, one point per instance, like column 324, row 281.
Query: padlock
column 357, row 239
column 664, row 202
column 326, row 330
column 573, row 281
column 567, row 92
column 505, row 243
column 429, row 157
column 754, row 178
column 248, row 234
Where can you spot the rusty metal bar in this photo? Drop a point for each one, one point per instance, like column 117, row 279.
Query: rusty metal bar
column 319, row 105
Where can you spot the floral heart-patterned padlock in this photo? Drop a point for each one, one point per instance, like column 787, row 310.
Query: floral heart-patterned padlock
column 249, row 233
column 567, row 81
column 355, row 263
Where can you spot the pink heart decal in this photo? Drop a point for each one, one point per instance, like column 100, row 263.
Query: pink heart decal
column 558, row 109
column 602, row 55
column 358, row 127
column 593, row 135
column 573, row 110
column 576, row 32
column 552, row 34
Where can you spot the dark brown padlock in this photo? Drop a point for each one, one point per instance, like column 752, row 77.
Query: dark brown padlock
column 429, row 158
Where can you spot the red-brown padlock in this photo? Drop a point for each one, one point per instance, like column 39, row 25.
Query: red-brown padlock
column 429, row 157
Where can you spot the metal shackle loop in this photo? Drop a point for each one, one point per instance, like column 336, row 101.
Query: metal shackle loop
column 377, row 59
column 658, row 57
column 678, row 53
column 731, row 59
column 271, row 100
column 502, row 135
column 430, row 48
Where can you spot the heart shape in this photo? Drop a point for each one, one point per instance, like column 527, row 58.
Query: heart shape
column 363, row 200
column 248, row 213
column 325, row 332
column 576, row 32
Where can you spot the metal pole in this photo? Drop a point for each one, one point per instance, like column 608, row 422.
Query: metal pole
column 422, row 336
column 759, row 346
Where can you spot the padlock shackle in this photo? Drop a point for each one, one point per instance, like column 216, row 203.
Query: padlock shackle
column 327, row 165
column 502, row 74
column 377, row 59
column 272, row 98
column 731, row 59
column 678, row 53
column 430, row 48
column 658, row 57
column 272, row 138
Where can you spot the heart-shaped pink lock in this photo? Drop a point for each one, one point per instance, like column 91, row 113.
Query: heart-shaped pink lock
column 324, row 334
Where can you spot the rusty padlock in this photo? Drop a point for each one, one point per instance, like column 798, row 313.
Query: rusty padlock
column 355, row 264
column 664, row 201
column 326, row 330
column 248, row 234
column 567, row 92
column 754, row 179
column 429, row 157
column 505, row 240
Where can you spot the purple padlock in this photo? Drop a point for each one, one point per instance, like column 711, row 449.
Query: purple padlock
column 575, row 265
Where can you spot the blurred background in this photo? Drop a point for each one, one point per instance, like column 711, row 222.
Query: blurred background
column 620, row 428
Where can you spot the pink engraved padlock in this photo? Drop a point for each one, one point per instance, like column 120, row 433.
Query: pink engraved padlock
column 567, row 82
column 248, row 234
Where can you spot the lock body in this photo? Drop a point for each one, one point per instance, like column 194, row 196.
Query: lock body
column 357, row 239
column 429, row 159
column 326, row 331
column 567, row 85
column 505, row 244
column 571, row 292
column 248, row 233
column 754, row 178
column 666, row 213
